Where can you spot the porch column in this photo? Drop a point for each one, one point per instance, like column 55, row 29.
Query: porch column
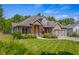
column 20, row 29
column 47, row 29
column 32, row 29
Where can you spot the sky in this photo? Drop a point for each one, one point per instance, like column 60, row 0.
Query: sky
column 59, row 11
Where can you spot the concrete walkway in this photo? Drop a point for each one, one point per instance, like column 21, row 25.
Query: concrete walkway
column 38, row 37
column 61, row 38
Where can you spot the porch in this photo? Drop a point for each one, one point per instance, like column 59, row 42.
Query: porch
column 32, row 29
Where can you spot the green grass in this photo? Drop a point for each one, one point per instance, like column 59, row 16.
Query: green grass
column 38, row 46
column 50, row 46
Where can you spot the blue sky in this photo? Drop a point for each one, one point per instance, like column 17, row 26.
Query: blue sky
column 57, row 10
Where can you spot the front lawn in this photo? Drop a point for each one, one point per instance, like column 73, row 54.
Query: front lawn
column 37, row 46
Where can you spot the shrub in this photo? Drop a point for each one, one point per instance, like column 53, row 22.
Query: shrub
column 48, row 35
column 53, row 36
column 12, row 48
column 15, row 48
column 27, row 36
column 17, row 35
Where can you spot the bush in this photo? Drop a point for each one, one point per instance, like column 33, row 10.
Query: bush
column 74, row 35
column 12, row 48
column 15, row 49
column 48, row 35
column 17, row 35
column 27, row 36
column 64, row 53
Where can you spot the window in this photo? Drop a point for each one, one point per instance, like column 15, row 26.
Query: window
column 48, row 30
column 44, row 21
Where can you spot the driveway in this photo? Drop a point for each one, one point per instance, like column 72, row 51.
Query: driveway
column 68, row 38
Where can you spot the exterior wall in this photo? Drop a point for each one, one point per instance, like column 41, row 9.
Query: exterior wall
column 14, row 29
column 58, row 31
column 69, row 32
column 32, row 28
column 76, row 29
column 57, row 27
column 63, row 32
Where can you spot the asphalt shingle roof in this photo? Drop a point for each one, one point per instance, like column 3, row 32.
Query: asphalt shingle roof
column 72, row 25
column 14, row 24
column 29, row 21
column 32, row 19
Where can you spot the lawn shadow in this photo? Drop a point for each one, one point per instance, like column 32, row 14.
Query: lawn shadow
column 59, row 53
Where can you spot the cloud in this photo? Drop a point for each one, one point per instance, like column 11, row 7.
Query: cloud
column 51, row 11
column 56, row 11
column 76, row 18
column 48, row 11
column 61, row 16
column 64, row 16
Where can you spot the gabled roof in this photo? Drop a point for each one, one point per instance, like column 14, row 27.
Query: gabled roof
column 14, row 24
column 50, row 24
column 72, row 25
column 29, row 21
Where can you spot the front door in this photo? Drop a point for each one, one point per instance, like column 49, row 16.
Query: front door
column 36, row 29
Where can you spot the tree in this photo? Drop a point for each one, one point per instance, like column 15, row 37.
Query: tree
column 25, row 17
column 51, row 19
column 1, row 18
column 39, row 14
column 19, row 18
column 16, row 18
column 1, row 11
column 67, row 21
column 7, row 26
column 1, row 24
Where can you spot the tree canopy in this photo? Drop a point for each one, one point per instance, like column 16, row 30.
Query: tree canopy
column 17, row 18
column 1, row 18
column 7, row 26
column 1, row 11
column 67, row 21
column 51, row 19
column 39, row 14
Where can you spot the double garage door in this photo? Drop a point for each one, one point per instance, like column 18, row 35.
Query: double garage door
column 60, row 33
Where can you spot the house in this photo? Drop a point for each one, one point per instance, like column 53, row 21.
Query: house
column 73, row 28
column 39, row 25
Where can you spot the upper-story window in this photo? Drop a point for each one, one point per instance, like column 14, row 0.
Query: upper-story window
column 44, row 21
